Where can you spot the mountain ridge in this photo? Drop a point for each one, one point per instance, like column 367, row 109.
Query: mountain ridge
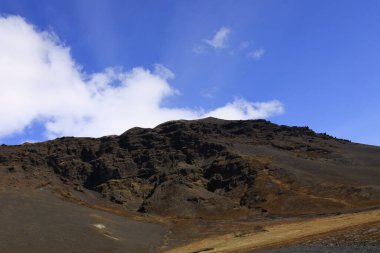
column 207, row 168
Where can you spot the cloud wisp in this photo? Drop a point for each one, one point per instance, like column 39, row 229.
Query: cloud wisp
column 219, row 40
column 41, row 82
column 209, row 92
column 256, row 54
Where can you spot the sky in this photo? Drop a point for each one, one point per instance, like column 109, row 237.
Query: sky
column 100, row 67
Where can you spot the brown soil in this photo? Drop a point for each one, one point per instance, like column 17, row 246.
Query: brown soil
column 284, row 233
column 214, row 179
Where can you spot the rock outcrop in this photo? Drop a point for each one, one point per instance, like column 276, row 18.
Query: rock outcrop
column 206, row 168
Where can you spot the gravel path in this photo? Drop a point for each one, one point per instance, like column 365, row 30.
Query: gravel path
column 354, row 247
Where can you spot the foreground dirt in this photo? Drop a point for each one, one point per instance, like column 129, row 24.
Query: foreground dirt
column 283, row 233
column 37, row 221
column 40, row 221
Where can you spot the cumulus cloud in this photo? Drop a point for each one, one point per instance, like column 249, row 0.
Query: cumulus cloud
column 220, row 38
column 41, row 82
column 242, row 109
column 256, row 54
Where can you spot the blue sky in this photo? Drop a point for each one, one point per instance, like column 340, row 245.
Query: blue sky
column 319, row 59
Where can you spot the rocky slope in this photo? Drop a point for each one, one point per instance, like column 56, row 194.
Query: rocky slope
column 208, row 168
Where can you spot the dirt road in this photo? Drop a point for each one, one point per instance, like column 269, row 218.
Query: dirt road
column 280, row 234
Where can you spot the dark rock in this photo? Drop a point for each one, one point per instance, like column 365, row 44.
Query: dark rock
column 208, row 167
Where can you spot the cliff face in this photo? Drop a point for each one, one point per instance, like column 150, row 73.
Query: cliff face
column 206, row 168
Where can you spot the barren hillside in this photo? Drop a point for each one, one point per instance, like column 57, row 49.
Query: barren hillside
column 193, row 179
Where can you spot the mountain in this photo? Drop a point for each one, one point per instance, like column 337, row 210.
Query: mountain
column 207, row 170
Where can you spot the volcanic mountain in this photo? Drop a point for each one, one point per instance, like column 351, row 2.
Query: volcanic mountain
column 177, row 183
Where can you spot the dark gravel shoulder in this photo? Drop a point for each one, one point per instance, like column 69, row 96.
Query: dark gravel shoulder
column 354, row 247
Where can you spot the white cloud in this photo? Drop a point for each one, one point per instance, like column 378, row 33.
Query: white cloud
column 41, row 82
column 242, row 109
column 256, row 54
column 220, row 38
column 163, row 72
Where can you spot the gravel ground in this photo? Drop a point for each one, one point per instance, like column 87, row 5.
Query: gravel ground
column 38, row 222
column 354, row 247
